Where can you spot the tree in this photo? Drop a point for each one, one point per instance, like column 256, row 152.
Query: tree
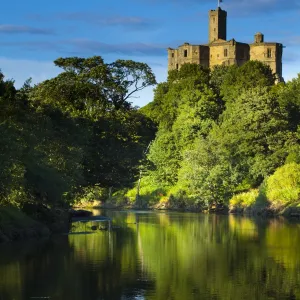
column 115, row 148
column 90, row 88
column 73, row 131
column 250, row 75
column 289, row 99
column 217, row 75
column 198, row 72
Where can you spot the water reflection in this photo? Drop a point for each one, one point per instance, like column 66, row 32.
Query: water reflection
column 151, row 255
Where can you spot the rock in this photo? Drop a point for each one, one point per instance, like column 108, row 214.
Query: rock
column 80, row 213
column 295, row 215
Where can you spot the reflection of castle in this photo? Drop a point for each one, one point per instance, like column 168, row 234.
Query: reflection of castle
column 219, row 51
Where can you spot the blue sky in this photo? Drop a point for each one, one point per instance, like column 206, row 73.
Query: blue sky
column 34, row 33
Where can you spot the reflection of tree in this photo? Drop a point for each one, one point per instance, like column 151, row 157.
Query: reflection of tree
column 283, row 242
column 215, row 257
column 113, row 256
column 76, row 267
column 160, row 256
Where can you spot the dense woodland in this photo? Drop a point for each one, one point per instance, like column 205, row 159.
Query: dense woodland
column 228, row 135
column 73, row 132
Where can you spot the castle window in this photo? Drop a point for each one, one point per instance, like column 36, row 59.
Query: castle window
column 177, row 66
column 172, row 54
column 225, row 52
column 185, row 53
column 269, row 53
column 214, row 19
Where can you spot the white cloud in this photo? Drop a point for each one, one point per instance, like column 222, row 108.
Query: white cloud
column 16, row 29
column 21, row 69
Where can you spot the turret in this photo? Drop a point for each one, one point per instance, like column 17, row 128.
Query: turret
column 217, row 25
column 258, row 38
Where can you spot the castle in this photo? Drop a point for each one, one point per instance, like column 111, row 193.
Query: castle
column 219, row 51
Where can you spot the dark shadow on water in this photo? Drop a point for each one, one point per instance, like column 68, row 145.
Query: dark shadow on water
column 77, row 233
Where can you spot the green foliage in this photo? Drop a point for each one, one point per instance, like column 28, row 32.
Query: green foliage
column 72, row 132
column 90, row 88
column 283, row 187
column 289, row 99
column 250, row 75
column 217, row 76
column 189, row 82
column 220, row 132
column 12, row 216
column 91, row 194
column 246, row 199
column 199, row 73
column 223, row 133
column 151, row 192
column 153, row 109
column 185, row 108
column 165, row 156
column 230, row 156
column 254, row 132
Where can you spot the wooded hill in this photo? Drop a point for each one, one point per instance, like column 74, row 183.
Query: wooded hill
column 223, row 133
column 224, row 136
column 73, row 132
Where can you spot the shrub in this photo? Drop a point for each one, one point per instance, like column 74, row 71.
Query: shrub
column 283, row 187
column 150, row 192
column 88, row 195
column 243, row 200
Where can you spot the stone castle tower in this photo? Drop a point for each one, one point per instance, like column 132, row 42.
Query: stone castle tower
column 219, row 51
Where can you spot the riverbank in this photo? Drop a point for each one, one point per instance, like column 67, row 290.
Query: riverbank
column 259, row 209
column 37, row 222
column 288, row 211
column 16, row 225
column 33, row 222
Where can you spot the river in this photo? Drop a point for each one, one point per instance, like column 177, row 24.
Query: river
column 158, row 255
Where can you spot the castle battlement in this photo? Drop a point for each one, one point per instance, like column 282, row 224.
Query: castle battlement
column 220, row 51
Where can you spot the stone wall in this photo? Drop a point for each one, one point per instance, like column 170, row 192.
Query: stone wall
column 268, row 53
column 222, row 53
column 242, row 53
column 228, row 53
column 197, row 54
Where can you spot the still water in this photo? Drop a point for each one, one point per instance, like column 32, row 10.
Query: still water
column 158, row 255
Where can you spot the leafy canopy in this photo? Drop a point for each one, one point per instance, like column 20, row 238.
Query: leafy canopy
column 88, row 87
